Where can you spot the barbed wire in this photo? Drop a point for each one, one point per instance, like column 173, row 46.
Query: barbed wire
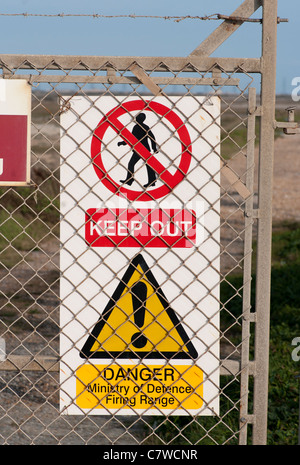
column 214, row 16
column 177, row 19
column 97, row 15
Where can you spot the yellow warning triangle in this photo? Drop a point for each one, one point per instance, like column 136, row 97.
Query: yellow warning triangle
column 138, row 322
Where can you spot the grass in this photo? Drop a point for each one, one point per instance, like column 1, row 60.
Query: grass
column 26, row 218
column 285, row 326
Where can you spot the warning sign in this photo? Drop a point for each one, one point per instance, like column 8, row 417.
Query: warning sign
column 137, row 141
column 158, row 387
column 140, row 252
column 107, row 227
column 138, row 322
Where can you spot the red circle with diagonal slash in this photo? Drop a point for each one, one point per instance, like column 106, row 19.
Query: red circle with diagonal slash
column 111, row 119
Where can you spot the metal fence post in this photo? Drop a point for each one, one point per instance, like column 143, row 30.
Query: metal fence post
column 265, row 221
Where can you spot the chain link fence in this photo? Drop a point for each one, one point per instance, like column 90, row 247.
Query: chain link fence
column 41, row 330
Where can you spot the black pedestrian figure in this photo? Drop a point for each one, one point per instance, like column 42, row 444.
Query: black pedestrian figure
column 142, row 132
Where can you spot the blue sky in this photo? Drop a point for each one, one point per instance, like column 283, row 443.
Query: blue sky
column 149, row 37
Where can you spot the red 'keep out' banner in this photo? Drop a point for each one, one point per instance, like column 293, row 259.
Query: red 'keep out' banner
column 140, row 227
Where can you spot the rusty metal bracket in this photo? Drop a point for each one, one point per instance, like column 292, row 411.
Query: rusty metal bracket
column 290, row 127
column 236, row 19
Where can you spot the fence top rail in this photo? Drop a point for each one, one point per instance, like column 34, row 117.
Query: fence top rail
column 123, row 63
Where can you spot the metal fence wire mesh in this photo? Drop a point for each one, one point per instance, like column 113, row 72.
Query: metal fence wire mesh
column 31, row 244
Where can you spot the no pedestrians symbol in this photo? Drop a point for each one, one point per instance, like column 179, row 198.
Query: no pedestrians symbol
column 169, row 180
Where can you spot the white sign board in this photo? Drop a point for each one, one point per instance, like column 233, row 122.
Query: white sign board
column 140, row 256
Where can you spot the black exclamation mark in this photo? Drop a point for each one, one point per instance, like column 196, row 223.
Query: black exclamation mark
column 139, row 296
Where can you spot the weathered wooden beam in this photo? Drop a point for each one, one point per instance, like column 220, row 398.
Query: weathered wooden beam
column 228, row 27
